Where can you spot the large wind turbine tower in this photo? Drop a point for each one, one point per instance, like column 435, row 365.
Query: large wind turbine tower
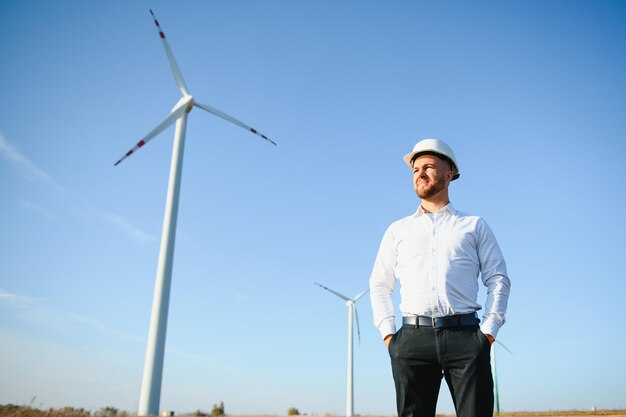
column 153, row 368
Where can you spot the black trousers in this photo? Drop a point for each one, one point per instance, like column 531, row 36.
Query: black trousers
column 421, row 356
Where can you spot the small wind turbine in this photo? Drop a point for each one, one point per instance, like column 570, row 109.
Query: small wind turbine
column 351, row 304
column 494, row 373
column 153, row 368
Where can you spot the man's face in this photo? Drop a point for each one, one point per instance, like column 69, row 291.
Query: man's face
column 430, row 176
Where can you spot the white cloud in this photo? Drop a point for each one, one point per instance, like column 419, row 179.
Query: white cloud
column 25, row 167
column 29, row 205
column 103, row 328
column 132, row 231
column 15, row 298
column 31, row 172
column 35, row 312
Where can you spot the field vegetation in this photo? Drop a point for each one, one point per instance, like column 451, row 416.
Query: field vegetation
column 10, row 410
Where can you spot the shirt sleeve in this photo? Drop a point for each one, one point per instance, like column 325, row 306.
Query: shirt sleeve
column 382, row 282
column 495, row 278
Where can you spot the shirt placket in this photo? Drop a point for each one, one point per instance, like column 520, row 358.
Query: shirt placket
column 434, row 268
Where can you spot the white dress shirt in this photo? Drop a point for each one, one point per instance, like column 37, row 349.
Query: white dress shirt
column 437, row 259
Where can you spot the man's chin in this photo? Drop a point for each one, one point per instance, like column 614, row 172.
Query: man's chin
column 424, row 192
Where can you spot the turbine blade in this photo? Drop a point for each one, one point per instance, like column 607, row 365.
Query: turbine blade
column 177, row 111
column 231, row 119
column 334, row 292
column 358, row 329
column 360, row 295
column 506, row 348
column 178, row 76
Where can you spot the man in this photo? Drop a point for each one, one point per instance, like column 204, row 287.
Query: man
column 437, row 255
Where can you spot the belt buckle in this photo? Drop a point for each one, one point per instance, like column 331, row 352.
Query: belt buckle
column 434, row 322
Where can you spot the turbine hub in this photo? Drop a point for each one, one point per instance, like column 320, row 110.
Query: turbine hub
column 189, row 107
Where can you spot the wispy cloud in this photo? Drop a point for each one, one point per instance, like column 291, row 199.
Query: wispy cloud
column 32, row 173
column 6, row 296
column 132, row 231
column 103, row 328
column 29, row 205
column 27, row 312
column 25, row 167
column 35, row 312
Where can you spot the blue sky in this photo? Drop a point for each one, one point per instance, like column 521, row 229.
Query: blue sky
column 530, row 95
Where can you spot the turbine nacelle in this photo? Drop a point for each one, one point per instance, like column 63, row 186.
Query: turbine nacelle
column 185, row 101
column 349, row 303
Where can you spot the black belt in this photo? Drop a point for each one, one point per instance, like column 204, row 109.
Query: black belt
column 468, row 319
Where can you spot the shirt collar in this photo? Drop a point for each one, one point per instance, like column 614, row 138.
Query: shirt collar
column 447, row 209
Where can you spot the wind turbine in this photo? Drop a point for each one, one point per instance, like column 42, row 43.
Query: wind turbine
column 153, row 368
column 494, row 373
column 351, row 304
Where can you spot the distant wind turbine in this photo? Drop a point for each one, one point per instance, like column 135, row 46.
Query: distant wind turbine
column 351, row 304
column 494, row 373
column 153, row 368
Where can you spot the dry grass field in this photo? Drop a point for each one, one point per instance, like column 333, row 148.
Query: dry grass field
column 10, row 410
column 571, row 413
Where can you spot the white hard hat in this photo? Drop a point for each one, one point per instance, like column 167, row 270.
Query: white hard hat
column 436, row 146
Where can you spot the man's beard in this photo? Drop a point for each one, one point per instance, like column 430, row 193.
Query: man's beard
column 431, row 190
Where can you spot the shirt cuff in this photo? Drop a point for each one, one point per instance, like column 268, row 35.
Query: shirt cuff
column 490, row 326
column 387, row 326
